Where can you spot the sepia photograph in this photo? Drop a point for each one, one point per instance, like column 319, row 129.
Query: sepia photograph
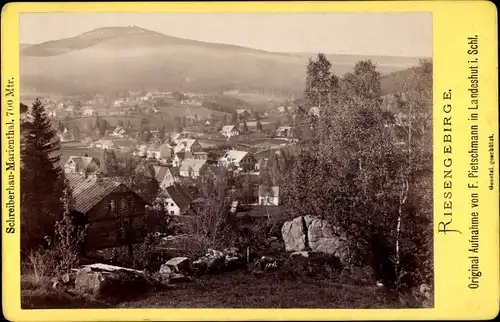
column 226, row 160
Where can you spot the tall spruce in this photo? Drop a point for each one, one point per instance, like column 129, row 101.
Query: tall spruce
column 41, row 178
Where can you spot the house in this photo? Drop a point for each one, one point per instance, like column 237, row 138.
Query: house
column 268, row 196
column 88, row 111
column 119, row 102
column 160, row 152
column 191, row 168
column 165, row 176
column 66, row 136
column 176, row 200
column 229, row 131
column 115, row 215
column 119, row 132
column 175, row 137
column 187, row 145
column 140, row 150
column 200, row 155
column 153, row 150
column 81, row 165
column 104, row 144
column 284, row 131
column 243, row 160
column 244, row 112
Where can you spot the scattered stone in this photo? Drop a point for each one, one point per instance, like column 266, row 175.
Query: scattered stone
column 56, row 285
column 178, row 278
column 266, row 263
column 165, row 269
column 216, row 260
column 179, row 265
column 233, row 251
column 215, row 263
column 302, row 253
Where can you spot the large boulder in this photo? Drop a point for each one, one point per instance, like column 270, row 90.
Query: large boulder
column 179, row 265
column 294, row 234
column 213, row 261
column 314, row 234
column 107, row 281
column 320, row 237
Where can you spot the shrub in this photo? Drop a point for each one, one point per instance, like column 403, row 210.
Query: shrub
column 42, row 264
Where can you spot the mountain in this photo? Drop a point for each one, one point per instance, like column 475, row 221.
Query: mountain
column 132, row 58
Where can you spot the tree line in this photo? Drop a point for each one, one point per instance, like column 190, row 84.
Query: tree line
column 364, row 170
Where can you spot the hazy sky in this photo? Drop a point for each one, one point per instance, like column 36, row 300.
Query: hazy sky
column 393, row 34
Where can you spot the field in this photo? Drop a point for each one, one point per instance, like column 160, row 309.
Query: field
column 79, row 149
column 274, row 290
column 237, row 289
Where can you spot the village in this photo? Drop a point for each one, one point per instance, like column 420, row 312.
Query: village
column 234, row 192
column 240, row 149
column 177, row 157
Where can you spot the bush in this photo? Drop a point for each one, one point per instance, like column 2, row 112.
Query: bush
column 41, row 264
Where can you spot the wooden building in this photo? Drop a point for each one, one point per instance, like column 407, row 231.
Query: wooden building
column 114, row 213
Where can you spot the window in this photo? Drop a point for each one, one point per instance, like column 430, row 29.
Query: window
column 112, row 205
column 171, row 204
column 123, row 204
column 172, row 212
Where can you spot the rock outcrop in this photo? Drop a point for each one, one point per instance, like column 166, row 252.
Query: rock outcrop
column 313, row 234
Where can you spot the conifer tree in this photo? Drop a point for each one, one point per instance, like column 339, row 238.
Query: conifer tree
column 41, row 178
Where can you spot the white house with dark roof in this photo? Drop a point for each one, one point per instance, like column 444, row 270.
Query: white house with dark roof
column 229, row 131
column 243, row 160
column 187, row 145
column 176, row 200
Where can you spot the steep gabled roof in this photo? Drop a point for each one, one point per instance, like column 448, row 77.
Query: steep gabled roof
column 88, row 192
column 235, row 155
column 194, row 164
column 83, row 163
column 188, row 143
column 179, row 196
column 160, row 172
column 228, row 128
